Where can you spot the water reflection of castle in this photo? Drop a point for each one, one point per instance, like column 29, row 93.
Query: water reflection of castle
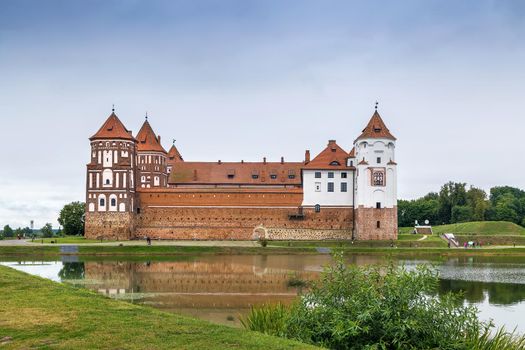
column 219, row 281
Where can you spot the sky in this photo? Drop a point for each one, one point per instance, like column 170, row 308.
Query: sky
column 241, row 79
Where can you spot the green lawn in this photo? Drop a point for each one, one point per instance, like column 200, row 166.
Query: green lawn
column 38, row 313
column 504, row 228
column 65, row 240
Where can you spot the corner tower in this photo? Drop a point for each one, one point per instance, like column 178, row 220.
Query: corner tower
column 110, row 182
column 376, row 182
column 151, row 158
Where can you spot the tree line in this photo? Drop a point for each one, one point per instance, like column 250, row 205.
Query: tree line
column 71, row 219
column 456, row 202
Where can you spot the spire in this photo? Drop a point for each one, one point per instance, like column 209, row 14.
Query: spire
column 148, row 140
column 174, row 154
column 113, row 129
column 376, row 128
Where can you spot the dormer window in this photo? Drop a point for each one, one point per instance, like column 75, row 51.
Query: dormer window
column 231, row 173
column 335, row 163
column 273, row 176
column 291, row 174
column 255, row 174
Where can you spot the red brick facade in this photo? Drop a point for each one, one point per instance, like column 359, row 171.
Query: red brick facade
column 135, row 189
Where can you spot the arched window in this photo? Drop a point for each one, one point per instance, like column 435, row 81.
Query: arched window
column 378, row 178
column 102, row 202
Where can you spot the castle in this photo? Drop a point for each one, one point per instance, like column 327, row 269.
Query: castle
column 134, row 189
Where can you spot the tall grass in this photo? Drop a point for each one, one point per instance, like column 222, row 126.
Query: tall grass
column 501, row 340
column 268, row 318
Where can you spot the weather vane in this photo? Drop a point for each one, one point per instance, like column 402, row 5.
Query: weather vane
column 174, row 141
column 113, row 107
column 146, row 115
column 376, row 105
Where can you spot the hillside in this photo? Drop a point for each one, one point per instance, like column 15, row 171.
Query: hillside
column 481, row 228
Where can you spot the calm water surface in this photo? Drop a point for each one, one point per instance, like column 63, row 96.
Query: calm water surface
column 222, row 288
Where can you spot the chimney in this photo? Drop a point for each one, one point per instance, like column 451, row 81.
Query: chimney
column 307, row 156
column 242, row 161
column 331, row 142
column 158, row 138
column 282, row 160
column 219, row 162
column 264, row 160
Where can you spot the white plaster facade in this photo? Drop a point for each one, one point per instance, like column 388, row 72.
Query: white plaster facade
column 376, row 156
column 316, row 191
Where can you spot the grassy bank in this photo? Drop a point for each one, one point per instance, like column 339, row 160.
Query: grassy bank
column 488, row 228
column 165, row 252
column 39, row 313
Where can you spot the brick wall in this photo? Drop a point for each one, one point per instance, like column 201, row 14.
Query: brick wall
column 367, row 219
column 109, row 225
column 240, row 223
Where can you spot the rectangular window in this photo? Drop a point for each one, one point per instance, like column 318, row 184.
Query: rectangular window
column 378, row 160
column 330, row 187
column 378, row 224
column 317, row 187
column 330, row 175
column 378, row 205
column 344, row 186
column 344, row 175
column 351, row 163
column 317, row 174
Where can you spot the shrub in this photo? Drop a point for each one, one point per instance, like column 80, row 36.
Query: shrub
column 263, row 242
column 378, row 307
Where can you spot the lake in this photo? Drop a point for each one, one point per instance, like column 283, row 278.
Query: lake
column 220, row 288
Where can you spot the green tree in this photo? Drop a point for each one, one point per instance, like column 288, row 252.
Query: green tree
column 8, row 231
column 72, row 218
column 477, row 200
column 47, row 230
column 27, row 231
column 18, row 232
column 450, row 195
column 461, row 213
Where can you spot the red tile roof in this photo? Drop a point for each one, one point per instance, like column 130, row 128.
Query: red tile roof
column 287, row 173
column 174, row 155
column 113, row 129
column 376, row 129
column 332, row 157
column 352, row 153
column 147, row 139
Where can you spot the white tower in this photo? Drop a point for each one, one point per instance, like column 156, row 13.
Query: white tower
column 376, row 182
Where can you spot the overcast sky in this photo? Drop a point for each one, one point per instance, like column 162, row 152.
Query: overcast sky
column 243, row 79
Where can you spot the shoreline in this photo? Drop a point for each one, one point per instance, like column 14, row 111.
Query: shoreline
column 40, row 313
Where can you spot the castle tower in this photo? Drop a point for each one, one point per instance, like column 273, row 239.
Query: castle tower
column 376, row 181
column 151, row 159
column 173, row 157
column 110, row 182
